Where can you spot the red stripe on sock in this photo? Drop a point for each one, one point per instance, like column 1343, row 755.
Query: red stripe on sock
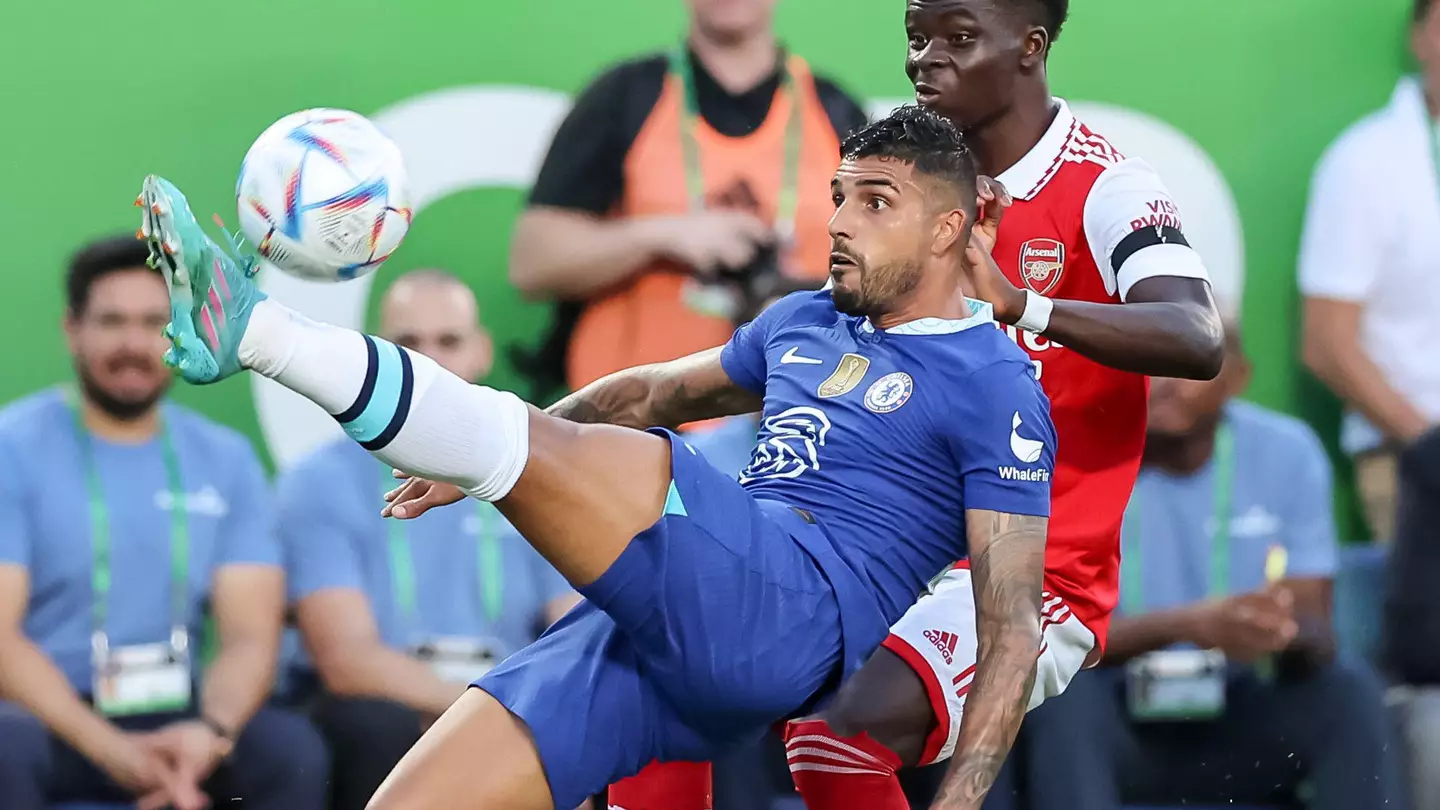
column 834, row 773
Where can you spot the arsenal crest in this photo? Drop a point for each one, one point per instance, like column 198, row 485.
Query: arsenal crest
column 1041, row 263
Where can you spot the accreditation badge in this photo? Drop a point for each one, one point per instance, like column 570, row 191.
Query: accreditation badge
column 714, row 300
column 141, row 678
column 457, row 659
column 1176, row 685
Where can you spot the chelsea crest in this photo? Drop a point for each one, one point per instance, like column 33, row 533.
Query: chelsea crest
column 889, row 392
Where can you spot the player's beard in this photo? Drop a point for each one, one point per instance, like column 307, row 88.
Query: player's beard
column 880, row 290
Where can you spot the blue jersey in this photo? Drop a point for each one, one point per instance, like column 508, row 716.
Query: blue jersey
column 732, row 611
column 887, row 437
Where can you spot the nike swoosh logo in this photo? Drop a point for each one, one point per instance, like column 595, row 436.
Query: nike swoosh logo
column 794, row 356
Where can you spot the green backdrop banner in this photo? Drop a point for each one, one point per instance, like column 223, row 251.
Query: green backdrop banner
column 97, row 94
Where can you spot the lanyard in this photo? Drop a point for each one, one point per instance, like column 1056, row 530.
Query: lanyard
column 1132, row 567
column 487, row 555
column 788, row 200
column 100, row 577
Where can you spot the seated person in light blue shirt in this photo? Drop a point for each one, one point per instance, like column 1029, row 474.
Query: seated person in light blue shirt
column 399, row 616
column 1219, row 683
column 120, row 518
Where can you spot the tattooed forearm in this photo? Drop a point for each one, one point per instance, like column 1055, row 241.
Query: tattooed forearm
column 1007, row 566
column 671, row 394
column 619, row 399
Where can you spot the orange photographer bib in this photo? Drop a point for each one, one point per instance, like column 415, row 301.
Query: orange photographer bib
column 647, row 319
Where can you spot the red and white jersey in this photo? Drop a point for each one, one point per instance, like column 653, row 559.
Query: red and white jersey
column 1087, row 224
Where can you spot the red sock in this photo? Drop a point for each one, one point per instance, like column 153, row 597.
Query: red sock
column 832, row 773
column 665, row 786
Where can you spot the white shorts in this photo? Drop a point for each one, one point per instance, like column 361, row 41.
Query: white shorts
column 936, row 637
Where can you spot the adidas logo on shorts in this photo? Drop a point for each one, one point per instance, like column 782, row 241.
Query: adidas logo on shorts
column 944, row 642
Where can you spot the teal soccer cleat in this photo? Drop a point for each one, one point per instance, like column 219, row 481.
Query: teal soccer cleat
column 212, row 293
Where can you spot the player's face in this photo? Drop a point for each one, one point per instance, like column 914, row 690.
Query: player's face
column 879, row 234
column 116, row 343
column 439, row 320
column 965, row 57
column 731, row 19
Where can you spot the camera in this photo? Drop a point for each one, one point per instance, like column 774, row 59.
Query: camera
column 738, row 294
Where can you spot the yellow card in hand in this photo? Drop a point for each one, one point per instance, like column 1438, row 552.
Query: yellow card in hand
column 1275, row 562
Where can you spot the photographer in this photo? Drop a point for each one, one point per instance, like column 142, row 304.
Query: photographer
column 678, row 189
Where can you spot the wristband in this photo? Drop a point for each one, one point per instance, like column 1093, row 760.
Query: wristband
column 220, row 730
column 1036, row 316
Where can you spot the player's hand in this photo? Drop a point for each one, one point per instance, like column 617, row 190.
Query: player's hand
column 986, row 282
column 132, row 761
column 1248, row 626
column 711, row 242
column 991, row 202
column 416, row 496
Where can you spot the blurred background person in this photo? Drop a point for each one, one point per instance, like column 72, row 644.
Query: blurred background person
column 1411, row 633
column 1370, row 285
column 680, row 188
column 399, row 617
column 121, row 518
column 1219, row 683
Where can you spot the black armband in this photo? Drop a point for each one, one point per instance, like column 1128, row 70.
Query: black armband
column 1143, row 238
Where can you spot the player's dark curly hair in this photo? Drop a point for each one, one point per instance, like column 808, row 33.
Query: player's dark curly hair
column 96, row 260
column 1422, row 9
column 921, row 138
column 1052, row 14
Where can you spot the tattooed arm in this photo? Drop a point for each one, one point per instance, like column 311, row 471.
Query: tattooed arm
column 670, row 394
column 1007, row 563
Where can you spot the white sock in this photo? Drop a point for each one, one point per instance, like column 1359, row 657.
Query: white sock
column 401, row 406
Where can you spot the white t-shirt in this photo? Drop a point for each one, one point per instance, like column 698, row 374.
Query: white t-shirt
column 1372, row 236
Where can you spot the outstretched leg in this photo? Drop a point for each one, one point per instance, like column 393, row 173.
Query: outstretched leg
column 675, row 559
column 477, row 756
column 578, row 493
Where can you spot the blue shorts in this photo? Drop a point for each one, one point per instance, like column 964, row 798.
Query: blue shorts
column 725, row 616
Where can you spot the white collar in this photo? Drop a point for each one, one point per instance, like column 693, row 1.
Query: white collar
column 1408, row 100
column 1025, row 179
column 981, row 313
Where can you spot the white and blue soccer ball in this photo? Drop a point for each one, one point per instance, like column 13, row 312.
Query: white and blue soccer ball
column 323, row 195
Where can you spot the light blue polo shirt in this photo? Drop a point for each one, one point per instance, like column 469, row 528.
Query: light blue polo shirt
column 727, row 444
column 334, row 537
column 1280, row 496
column 45, row 523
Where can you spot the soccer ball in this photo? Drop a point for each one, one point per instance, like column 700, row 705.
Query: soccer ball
column 323, row 196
